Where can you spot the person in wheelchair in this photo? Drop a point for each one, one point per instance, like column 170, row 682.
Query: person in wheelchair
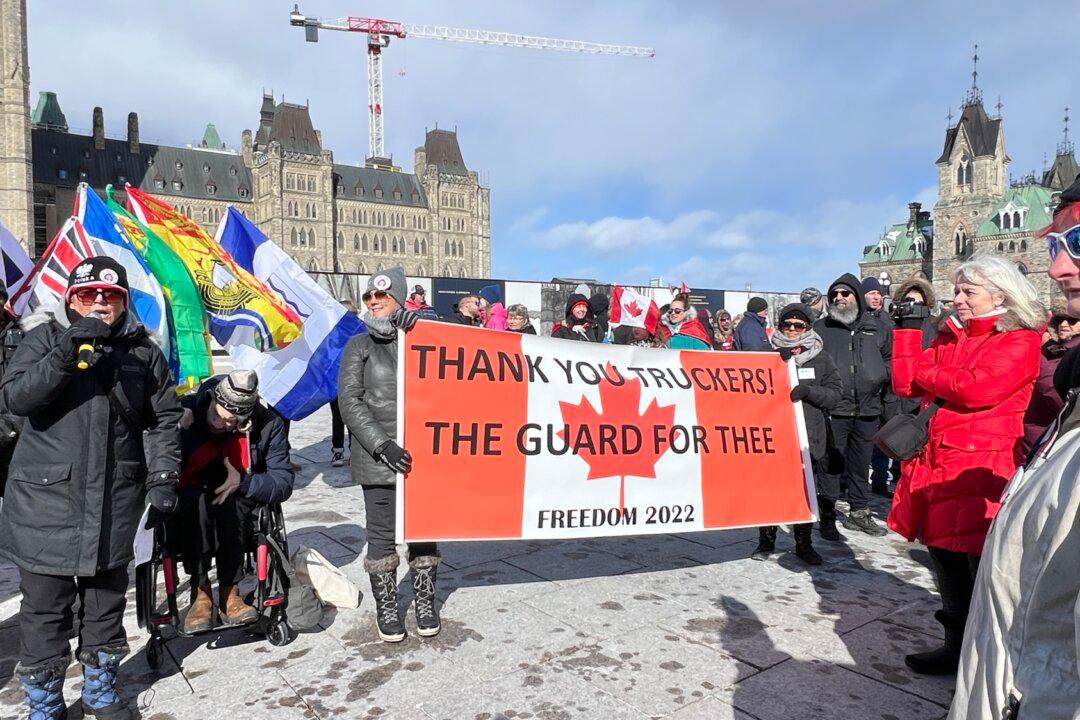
column 235, row 457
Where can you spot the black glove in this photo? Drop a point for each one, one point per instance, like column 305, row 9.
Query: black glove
column 403, row 319
column 87, row 328
column 161, row 495
column 910, row 323
column 394, row 457
column 785, row 353
column 799, row 393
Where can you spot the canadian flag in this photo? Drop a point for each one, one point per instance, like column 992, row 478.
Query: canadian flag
column 633, row 309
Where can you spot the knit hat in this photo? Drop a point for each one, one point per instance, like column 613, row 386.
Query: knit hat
column 491, row 293
column 870, row 284
column 798, row 310
column 95, row 273
column 809, row 296
column 238, row 392
column 756, row 305
column 391, row 282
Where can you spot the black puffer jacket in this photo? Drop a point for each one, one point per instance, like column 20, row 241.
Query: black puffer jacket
column 76, row 484
column 271, row 477
column 367, row 397
column 589, row 330
column 824, row 390
column 862, row 353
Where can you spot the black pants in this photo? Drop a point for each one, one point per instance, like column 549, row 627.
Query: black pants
column 47, row 617
column 337, row 427
column 881, row 466
column 380, row 505
column 854, row 440
column 955, row 575
column 204, row 533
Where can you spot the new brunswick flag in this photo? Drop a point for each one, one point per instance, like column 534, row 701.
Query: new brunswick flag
column 187, row 316
column 242, row 310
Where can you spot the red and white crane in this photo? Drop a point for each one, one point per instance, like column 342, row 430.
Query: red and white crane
column 379, row 33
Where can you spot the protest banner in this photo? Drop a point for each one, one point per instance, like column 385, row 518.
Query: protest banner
column 516, row 436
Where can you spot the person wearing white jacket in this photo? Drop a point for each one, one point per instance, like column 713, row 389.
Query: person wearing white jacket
column 1021, row 654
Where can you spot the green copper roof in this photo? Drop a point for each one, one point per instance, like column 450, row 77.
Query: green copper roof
column 898, row 243
column 1030, row 203
column 47, row 112
column 211, row 139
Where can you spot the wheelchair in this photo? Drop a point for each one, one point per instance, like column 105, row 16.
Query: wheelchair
column 266, row 556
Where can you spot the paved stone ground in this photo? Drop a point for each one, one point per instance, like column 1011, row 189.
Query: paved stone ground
column 675, row 626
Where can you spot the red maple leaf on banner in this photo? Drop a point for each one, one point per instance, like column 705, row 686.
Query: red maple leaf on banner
column 619, row 408
column 633, row 309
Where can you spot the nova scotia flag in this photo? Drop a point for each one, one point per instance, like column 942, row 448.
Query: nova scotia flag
column 301, row 377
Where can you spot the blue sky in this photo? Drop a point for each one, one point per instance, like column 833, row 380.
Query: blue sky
column 766, row 143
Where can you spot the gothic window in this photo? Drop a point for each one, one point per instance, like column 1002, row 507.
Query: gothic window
column 312, row 237
column 361, row 268
column 1001, row 247
column 1012, row 246
column 359, row 190
column 378, row 192
column 446, row 247
column 356, row 242
column 292, row 237
column 960, row 241
column 211, row 189
column 968, row 171
column 423, row 246
column 363, row 242
column 1016, row 219
column 314, row 211
column 1006, row 221
column 341, row 240
column 460, row 249
column 461, row 272
column 416, row 246
column 290, row 184
column 177, row 185
column 353, row 215
column 242, row 191
column 420, row 270
column 1023, row 246
column 311, row 183
column 313, row 265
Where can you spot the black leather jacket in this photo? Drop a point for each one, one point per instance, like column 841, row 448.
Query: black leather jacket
column 367, row 397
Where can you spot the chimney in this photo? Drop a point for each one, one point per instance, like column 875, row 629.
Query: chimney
column 99, row 129
column 133, row 133
column 245, row 148
column 913, row 215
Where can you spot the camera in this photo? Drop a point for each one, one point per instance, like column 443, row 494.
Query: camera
column 909, row 309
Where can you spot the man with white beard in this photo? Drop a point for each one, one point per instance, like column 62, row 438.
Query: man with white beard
column 862, row 351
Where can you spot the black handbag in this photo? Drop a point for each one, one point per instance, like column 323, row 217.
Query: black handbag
column 904, row 436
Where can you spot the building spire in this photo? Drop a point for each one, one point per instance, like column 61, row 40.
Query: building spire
column 1065, row 147
column 974, row 95
column 948, row 118
column 999, row 106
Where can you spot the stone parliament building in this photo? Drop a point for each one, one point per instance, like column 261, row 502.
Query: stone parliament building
column 330, row 217
column 978, row 210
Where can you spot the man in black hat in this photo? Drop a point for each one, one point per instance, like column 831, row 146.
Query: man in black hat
column 235, row 455
column 750, row 334
column 417, row 302
column 88, row 383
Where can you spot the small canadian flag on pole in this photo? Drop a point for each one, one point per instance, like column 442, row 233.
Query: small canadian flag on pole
column 633, row 309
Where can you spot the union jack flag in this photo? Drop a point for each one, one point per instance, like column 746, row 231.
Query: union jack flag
column 48, row 280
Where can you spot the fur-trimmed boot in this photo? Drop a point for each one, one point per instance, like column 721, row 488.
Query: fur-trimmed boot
column 99, row 695
column 383, row 574
column 766, row 542
column 424, row 570
column 44, row 688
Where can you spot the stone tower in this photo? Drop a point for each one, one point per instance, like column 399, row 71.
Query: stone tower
column 16, row 185
column 972, row 179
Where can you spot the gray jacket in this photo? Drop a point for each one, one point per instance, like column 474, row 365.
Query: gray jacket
column 1023, row 631
column 367, row 397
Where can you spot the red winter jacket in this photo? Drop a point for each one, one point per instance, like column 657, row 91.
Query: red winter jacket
column 985, row 370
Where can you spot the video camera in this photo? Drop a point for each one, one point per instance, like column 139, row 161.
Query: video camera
column 909, row 309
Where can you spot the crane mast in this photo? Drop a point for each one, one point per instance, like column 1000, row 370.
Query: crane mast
column 380, row 31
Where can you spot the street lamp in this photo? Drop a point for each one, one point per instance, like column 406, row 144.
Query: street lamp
column 883, row 278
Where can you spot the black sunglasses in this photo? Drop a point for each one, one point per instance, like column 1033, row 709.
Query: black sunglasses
column 793, row 325
column 840, row 293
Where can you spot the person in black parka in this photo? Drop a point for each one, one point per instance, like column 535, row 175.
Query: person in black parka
column 218, row 493
column 97, row 443
column 862, row 351
column 819, row 390
column 579, row 322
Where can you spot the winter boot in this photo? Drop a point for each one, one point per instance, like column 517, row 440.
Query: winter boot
column 766, row 543
column 383, row 573
column 338, row 458
column 804, row 546
column 945, row 660
column 44, row 688
column 862, row 521
column 99, row 696
column 200, row 614
column 232, row 608
column 827, row 523
column 424, row 570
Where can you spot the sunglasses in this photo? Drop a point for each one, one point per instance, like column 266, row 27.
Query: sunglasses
column 375, row 295
column 89, row 295
column 676, row 311
column 1070, row 240
column 840, row 293
column 792, row 325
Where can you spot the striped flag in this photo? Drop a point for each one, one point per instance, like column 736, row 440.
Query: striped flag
column 17, row 264
column 47, row 281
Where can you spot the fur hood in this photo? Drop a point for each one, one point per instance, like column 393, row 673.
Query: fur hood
column 916, row 283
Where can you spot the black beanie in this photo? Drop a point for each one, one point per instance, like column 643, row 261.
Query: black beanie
column 797, row 310
column 756, row 305
column 97, row 272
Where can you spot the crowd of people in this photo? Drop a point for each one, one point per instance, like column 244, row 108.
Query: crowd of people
column 92, row 433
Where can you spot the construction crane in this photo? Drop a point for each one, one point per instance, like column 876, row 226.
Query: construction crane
column 379, row 33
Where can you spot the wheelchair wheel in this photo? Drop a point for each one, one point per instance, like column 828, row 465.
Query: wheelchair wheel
column 154, row 653
column 280, row 633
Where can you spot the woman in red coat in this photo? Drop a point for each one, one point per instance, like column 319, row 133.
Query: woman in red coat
column 983, row 364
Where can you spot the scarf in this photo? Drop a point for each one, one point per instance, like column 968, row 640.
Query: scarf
column 381, row 328
column 809, row 341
